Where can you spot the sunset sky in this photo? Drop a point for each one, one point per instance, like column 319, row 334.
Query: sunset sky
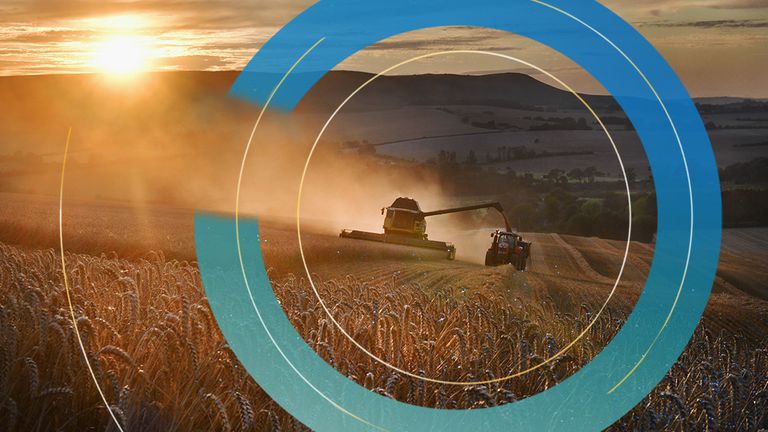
column 719, row 47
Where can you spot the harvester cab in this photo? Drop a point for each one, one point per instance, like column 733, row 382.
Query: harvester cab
column 404, row 217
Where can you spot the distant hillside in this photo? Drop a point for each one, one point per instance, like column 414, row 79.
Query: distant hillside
column 188, row 106
column 65, row 98
column 194, row 106
column 504, row 90
column 509, row 90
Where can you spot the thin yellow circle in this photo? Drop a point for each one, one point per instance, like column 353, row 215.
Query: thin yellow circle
column 309, row 275
column 240, row 252
column 67, row 290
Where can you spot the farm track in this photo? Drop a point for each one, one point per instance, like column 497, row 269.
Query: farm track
column 641, row 256
column 557, row 259
column 581, row 263
column 745, row 242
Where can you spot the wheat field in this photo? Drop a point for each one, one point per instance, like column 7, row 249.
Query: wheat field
column 162, row 364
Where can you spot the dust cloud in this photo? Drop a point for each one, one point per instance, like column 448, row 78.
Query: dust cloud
column 177, row 141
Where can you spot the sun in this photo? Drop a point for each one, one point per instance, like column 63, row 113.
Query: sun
column 121, row 56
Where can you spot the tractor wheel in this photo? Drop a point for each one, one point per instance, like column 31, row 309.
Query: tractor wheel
column 490, row 258
column 521, row 262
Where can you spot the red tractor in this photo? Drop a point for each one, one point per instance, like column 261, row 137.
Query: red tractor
column 508, row 248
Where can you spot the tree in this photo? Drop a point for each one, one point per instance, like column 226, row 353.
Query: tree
column 554, row 175
column 471, row 157
column 643, row 228
column 523, row 216
column 645, row 205
column 576, row 174
column 631, row 176
column 608, row 224
column 591, row 208
column 579, row 224
column 527, row 178
column 368, row 149
column 590, row 173
column 617, row 203
column 557, row 205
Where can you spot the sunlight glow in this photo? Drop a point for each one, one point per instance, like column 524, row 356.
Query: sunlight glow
column 123, row 48
column 122, row 55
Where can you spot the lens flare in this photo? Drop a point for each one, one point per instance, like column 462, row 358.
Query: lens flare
column 121, row 56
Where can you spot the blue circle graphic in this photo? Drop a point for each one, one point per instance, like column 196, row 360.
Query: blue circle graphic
column 688, row 230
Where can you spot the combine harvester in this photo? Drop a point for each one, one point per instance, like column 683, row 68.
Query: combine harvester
column 405, row 224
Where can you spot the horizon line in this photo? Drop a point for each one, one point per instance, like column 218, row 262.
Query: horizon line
column 476, row 73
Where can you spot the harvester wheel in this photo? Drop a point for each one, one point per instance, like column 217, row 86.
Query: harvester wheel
column 452, row 254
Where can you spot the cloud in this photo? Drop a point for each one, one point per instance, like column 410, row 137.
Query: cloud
column 707, row 24
column 431, row 42
column 208, row 34
column 36, row 35
column 59, row 36
column 739, row 4
column 191, row 13
column 657, row 8
column 194, row 62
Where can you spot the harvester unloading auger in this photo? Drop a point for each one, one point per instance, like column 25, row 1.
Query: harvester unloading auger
column 405, row 224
